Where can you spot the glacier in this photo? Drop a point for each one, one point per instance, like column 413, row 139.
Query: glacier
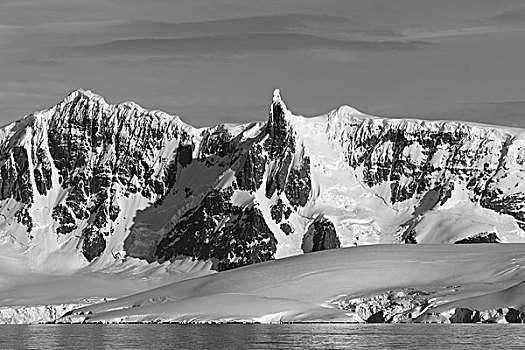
column 319, row 287
column 131, row 199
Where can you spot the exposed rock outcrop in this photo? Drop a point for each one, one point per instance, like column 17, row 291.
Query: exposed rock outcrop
column 321, row 235
column 397, row 306
column 485, row 237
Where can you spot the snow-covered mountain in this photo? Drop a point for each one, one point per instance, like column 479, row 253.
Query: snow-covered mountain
column 87, row 183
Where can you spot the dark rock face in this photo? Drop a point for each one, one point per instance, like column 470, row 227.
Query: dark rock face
column 378, row 317
column 286, row 228
column 277, row 179
column 22, row 217
column 485, row 237
column 514, row 316
column 410, row 237
column 229, row 235
column 409, row 305
column 184, row 154
column 298, row 184
column 280, row 145
column 93, row 243
column 276, row 211
column 250, row 176
column 63, row 215
column 289, row 175
column 94, row 148
column 217, row 143
column 280, row 137
column 321, row 235
column 415, row 157
column 397, row 306
column 15, row 181
column 98, row 150
column 464, row 315
column 280, row 211
column 42, row 173
column 216, row 229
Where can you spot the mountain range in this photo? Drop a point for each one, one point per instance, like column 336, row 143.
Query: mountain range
column 88, row 186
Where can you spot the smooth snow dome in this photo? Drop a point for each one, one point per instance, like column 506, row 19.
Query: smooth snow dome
column 301, row 288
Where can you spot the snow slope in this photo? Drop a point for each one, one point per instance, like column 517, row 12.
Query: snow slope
column 28, row 295
column 310, row 287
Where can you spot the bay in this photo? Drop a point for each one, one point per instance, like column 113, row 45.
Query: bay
column 283, row 336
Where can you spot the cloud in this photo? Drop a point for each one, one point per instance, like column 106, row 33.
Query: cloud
column 256, row 24
column 41, row 62
column 515, row 16
column 323, row 25
column 427, row 35
column 333, row 27
column 324, row 37
column 235, row 45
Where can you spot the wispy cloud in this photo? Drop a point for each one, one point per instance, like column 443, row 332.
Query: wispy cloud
column 429, row 35
column 499, row 22
column 236, row 45
column 321, row 36
column 41, row 62
column 331, row 27
column 514, row 16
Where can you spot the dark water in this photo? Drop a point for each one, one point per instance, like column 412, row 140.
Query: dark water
column 217, row 337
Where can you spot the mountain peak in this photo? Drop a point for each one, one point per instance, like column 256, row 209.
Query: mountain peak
column 277, row 95
column 349, row 110
column 92, row 98
column 90, row 95
column 277, row 100
column 82, row 92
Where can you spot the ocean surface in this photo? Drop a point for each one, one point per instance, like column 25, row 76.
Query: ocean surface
column 233, row 336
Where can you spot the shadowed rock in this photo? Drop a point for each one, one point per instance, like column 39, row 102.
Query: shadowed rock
column 321, row 235
column 485, row 237
column 464, row 315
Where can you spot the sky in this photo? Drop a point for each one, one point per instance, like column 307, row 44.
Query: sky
column 212, row 61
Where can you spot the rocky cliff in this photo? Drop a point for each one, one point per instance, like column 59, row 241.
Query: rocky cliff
column 87, row 182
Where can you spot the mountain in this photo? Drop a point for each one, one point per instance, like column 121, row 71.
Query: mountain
column 87, row 184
